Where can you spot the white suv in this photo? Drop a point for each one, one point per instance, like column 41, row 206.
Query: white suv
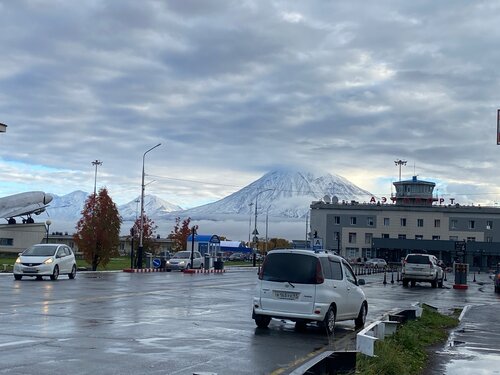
column 308, row 286
column 422, row 267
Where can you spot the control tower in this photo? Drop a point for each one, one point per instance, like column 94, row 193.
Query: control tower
column 414, row 192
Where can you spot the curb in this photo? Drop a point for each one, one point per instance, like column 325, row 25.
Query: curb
column 193, row 271
column 189, row 271
column 142, row 270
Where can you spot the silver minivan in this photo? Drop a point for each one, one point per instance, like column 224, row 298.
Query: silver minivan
column 308, row 286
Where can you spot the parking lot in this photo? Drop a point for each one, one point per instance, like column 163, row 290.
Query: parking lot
column 173, row 323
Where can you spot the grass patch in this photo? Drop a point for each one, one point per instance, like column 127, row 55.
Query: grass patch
column 405, row 351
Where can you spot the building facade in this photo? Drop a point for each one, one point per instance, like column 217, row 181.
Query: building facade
column 412, row 220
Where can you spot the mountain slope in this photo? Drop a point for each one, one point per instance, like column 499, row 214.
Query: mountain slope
column 280, row 193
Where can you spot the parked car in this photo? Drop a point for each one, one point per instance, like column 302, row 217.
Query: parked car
column 497, row 279
column 422, row 267
column 308, row 286
column 182, row 260
column 238, row 257
column 376, row 262
column 45, row 260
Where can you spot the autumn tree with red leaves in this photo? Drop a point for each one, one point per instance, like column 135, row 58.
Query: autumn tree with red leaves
column 148, row 234
column 180, row 234
column 98, row 230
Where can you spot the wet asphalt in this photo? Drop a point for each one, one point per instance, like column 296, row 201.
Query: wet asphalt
column 174, row 323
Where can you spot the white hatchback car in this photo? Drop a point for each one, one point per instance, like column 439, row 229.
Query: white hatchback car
column 45, row 260
column 182, row 261
column 308, row 286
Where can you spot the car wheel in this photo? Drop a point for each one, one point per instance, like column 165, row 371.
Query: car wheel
column 434, row 283
column 19, row 277
column 440, row 283
column 262, row 321
column 413, row 283
column 39, row 278
column 361, row 319
column 55, row 273
column 329, row 322
column 72, row 275
column 188, row 267
column 201, row 266
column 405, row 283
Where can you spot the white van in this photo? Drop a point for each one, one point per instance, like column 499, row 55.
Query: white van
column 308, row 286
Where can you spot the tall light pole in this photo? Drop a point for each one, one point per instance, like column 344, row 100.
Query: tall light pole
column 267, row 225
column 250, row 222
column 47, row 222
column 400, row 163
column 141, row 229
column 96, row 163
column 255, row 231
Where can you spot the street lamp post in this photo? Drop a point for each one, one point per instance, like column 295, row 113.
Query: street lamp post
column 250, row 223
column 400, row 163
column 141, row 229
column 193, row 233
column 255, row 231
column 96, row 163
column 48, row 222
column 132, row 233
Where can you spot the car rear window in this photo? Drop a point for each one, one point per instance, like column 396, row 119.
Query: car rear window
column 417, row 259
column 294, row 268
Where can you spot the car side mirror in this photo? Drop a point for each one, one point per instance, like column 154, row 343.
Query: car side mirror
column 361, row 282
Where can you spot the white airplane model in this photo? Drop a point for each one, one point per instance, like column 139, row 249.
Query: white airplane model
column 24, row 204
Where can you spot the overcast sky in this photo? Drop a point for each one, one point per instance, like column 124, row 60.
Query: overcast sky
column 234, row 89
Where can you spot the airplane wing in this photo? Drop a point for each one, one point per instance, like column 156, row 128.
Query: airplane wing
column 34, row 208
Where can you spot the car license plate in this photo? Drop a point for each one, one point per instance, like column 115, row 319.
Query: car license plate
column 30, row 269
column 285, row 295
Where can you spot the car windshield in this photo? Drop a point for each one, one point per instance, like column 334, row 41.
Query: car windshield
column 182, row 255
column 294, row 268
column 417, row 259
column 40, row 251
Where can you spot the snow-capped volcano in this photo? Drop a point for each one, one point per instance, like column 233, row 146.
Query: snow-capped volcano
column 284, row 195
column 280, row 193
column 153, row 207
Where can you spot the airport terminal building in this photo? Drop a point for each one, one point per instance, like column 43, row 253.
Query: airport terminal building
column 411, row 220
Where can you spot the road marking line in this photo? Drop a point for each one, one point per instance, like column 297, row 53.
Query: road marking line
column 14, row 343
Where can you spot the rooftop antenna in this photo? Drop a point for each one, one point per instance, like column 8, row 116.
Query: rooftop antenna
column 400, row 163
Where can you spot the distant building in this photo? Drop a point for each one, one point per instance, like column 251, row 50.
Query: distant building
column 412, row 220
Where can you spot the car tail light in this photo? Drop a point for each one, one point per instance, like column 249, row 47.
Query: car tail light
column 319, row 273
column 498, row 276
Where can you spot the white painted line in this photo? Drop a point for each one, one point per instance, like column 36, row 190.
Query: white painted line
column 15, row 343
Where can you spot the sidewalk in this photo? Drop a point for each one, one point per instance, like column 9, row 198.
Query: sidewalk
column 474, row 346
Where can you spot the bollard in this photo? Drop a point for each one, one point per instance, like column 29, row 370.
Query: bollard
column 398, row 280
column 474, row 277
column 385, row 279
column 392, row 276
column 445, row 275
